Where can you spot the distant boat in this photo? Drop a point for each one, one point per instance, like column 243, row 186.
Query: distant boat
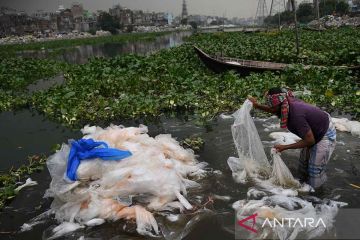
column 243, row 67
column 220, row 64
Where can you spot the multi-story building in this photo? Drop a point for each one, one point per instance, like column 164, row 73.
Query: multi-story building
column 161, row 19
column 13, row 22
column 77, row 10
column 138, row 18
column 65, row 20
column 148, row 18
column 354, row 5
column 123, row 15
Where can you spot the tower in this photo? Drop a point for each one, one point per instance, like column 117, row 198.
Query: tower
column 261, row 12
column 277, row 6
column 184, row 13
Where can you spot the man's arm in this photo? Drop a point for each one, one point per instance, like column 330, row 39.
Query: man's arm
column 308, row 141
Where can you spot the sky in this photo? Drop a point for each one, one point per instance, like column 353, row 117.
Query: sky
column 227, row 8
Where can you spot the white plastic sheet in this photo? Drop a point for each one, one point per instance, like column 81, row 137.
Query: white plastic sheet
column 155, row 178
column 252, row 161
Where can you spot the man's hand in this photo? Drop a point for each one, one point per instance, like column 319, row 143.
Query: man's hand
column 253, row 100
column 280, row 148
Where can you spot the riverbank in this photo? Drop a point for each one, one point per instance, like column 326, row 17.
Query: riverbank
column 53, row 44
column 25, row 39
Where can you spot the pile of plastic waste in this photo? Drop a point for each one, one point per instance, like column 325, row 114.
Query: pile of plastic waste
column 346, row 125
column 331, row 21
column 275, row 192
column 341, row 124
column 50, row 37
column 153, row 175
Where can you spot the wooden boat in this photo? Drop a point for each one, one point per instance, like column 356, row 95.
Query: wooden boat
column 220, row 64
column 243, row 67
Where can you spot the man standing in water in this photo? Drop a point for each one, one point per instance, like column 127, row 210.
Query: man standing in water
column 311, row 124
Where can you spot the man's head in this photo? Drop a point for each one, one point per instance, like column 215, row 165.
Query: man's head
column 275, row 96
column 277, row 99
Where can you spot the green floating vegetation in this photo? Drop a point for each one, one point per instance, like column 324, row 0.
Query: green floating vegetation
column 10, row 101
column 17, row 73
column 8, row 180
column 11, row 49
column 175, row 80
column 330, row 48
column 193, row 142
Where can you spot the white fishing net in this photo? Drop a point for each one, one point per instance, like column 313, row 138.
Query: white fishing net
column 274, row 195
column 155, row 178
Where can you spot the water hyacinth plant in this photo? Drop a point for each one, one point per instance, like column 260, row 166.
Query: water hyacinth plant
column 328, row 48
column 9, row 180
column 175, row 80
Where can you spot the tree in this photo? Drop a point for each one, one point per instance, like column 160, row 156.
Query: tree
column 328, row 7
column 107, row 23
column 193, row 24
column 342, row 8
column 215, row 22
column 305, row 12
column 286, row 17
column 184, row 21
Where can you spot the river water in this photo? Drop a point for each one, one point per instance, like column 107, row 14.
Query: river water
column 27, row 132
column 344, row 168
column 81, row 54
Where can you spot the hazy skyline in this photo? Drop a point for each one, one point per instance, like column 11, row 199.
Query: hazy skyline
column 227, row 8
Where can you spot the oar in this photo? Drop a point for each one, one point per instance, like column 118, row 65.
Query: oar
column 355, row 186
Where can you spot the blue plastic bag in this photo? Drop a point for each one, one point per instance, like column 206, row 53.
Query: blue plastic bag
column 89, row 149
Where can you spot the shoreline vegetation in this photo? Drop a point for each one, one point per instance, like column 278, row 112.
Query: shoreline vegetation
column 175, row 81
column 9, row 181
column 10, row 50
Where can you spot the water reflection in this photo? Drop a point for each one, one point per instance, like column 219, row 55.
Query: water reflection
column 81, row 54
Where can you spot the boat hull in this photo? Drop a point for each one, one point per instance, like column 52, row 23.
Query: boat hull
column 219, row 66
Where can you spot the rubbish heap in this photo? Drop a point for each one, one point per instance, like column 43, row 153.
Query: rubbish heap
column 331, row 21
column 154, row 178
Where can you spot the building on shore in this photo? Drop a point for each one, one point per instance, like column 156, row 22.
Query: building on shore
column 124, row 16
column 354, row 6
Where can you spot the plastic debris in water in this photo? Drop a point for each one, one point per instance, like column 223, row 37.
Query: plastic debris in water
column 27, row 183
column 284, row 138
column 224, row 116
column 156, row 177
column 345, row 125
column 95, row 222
column 281, row 174
column 274, row 195
column 64, row 228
